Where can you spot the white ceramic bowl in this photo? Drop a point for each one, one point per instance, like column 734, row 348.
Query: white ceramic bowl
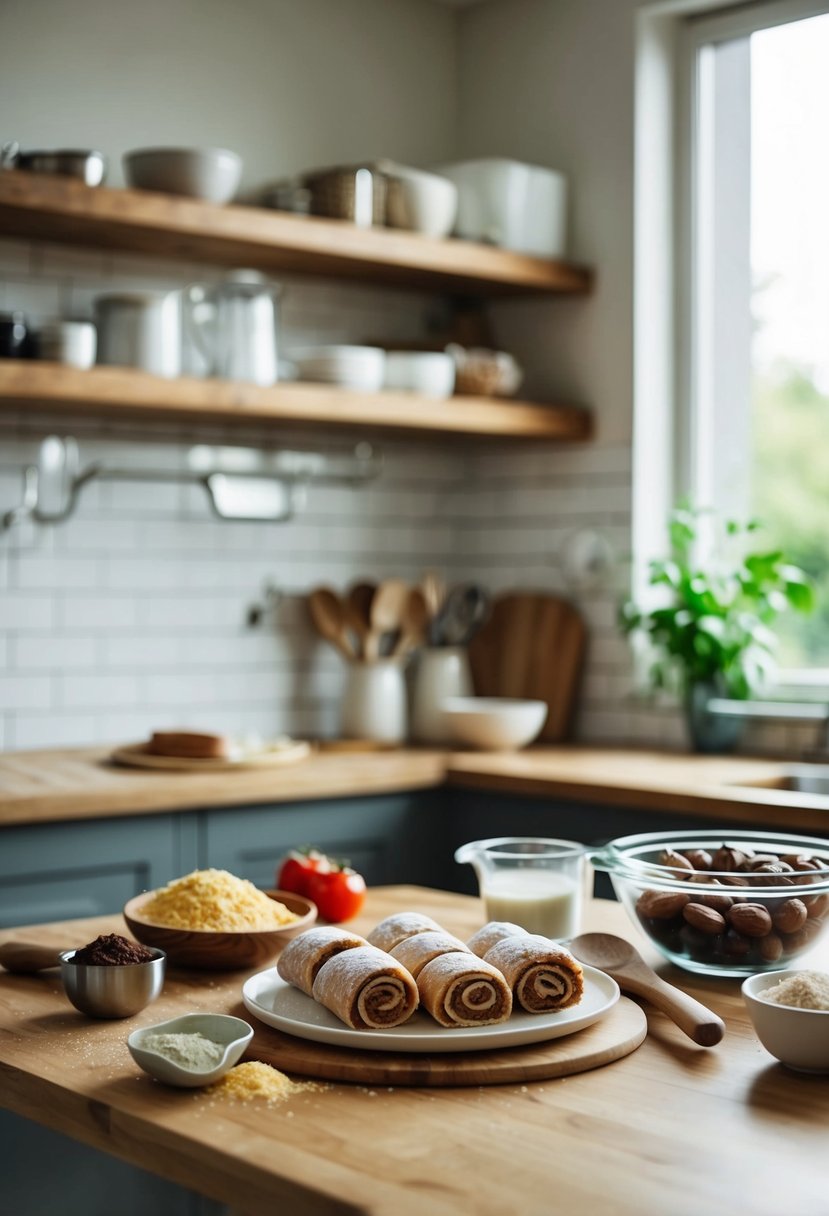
column 356, row 367
column 494, row 723
column 212, row 174
column 431, row 373
column 799, row 1038
column 420, row 201
column 232, row 1033
column 512, row 204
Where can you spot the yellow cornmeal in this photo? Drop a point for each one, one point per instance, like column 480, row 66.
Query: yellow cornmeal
column 253, row 1080
column 214, row 899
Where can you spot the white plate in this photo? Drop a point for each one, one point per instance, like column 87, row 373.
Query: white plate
column 278, row 1004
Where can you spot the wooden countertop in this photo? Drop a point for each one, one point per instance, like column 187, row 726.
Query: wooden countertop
column 670, row 1128
column 53, row 785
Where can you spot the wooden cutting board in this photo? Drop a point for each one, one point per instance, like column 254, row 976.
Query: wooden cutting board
column 611, row 1038
column 135, row 755
column 532, row 646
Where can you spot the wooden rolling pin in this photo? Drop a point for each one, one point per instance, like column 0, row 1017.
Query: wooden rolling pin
column 27, row 957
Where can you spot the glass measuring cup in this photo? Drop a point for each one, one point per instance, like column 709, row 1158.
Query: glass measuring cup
column 537, row 883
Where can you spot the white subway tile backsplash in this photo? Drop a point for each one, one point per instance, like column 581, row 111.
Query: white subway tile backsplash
column 133, row 612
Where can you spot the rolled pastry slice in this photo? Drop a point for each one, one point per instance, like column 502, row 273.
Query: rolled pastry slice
column 302, row 958
column 367, row 989
column 483, row 941
column 416, row 951
column 462, row 990
column 543, row 976
column 394, row 929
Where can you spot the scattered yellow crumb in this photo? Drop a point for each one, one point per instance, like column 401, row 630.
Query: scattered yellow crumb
column 215, row 899
column 254, row 1079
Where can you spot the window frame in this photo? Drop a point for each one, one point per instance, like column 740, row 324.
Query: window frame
column 671, row 38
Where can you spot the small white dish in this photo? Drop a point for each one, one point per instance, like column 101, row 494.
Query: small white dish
column 233, row 1033
column 798, row 1038
column 494, row 723
column 356, row 367
column 211, row 174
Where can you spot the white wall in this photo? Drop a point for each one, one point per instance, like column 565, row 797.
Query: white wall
column 131, row 615
column 288, row 84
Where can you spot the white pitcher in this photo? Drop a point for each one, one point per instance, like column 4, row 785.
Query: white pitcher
column 233, row 325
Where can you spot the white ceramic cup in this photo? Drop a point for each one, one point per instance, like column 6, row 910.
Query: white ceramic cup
column 140, row 330
column 70, row 342
column 441, row 672
column 374, row 702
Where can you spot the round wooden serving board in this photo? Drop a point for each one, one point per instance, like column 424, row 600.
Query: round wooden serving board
column 135, row 755
column 611, row 1038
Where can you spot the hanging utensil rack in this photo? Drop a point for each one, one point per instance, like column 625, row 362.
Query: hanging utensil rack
column 243, row 484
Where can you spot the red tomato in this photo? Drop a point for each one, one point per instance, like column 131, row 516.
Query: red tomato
column 296, row 869
column 339, row 893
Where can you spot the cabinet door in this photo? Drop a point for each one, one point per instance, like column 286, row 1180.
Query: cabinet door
column 91, row 867
column 386, row 838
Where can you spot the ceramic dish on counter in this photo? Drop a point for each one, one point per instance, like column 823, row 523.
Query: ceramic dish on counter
column 276, row 1003
column 230, row 1034
column 214, row 950
column 798, row 1037
column 497, row 723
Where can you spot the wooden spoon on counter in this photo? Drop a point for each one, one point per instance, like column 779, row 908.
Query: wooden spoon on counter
column 26, row 956
column 329, row 617
column 620, row 960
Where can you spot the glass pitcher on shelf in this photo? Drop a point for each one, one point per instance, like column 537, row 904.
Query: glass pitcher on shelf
column 233, row 326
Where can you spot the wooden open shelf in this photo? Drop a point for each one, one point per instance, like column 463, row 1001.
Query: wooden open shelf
column 135, row 221
column 124, row 392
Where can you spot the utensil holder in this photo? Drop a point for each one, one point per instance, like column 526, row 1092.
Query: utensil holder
column 441, row 672
column 374, row 702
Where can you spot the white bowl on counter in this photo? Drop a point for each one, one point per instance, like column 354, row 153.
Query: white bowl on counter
column 493, row 723
column 506, row 202
column 357, row 367
column 431, row 373
column 211, row 174
column 418, row 200
column 798, row 1038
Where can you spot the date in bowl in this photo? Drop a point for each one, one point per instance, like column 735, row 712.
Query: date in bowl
column 720, row 902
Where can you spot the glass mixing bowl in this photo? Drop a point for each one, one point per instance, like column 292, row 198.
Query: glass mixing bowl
column 720, row 902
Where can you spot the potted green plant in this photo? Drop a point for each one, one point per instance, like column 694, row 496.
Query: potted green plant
column 709, row 631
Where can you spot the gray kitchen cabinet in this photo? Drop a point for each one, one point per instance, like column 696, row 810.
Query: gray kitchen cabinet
column 89, row 867
column 388, row 839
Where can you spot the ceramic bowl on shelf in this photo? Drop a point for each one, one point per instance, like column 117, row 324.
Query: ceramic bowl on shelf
column 356, row 367
column 431, row 373
column 213, row 950
column 720, row 901
column 493, row 723
column 418, row 200
column 231, row 1034
column 798, row 1038
column 116, row 991
column 211, row 174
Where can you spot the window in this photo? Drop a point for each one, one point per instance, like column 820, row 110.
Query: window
column 753, row 297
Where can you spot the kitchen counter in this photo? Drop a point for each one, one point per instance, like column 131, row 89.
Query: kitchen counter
column 70, row 784
column 742, row 1133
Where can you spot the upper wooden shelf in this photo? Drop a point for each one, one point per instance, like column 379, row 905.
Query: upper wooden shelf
column 135, row 221
column 124, row 392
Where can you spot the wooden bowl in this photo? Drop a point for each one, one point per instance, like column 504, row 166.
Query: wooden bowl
column 215, row 951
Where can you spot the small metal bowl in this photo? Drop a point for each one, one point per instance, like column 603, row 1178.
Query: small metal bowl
column 116, row 991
